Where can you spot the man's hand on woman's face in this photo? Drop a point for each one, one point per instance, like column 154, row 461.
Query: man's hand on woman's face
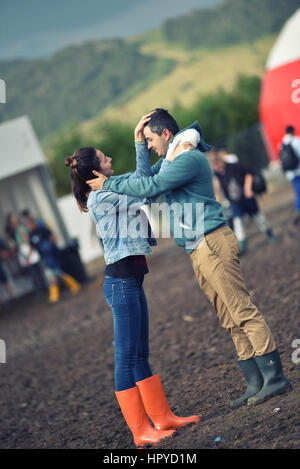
column 97, row 183
column 180, row 147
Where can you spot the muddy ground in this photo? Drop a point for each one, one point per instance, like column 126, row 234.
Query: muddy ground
column 57, row 388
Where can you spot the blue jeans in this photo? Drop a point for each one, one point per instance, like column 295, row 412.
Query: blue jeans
column 296, row 185
column 127, row 300
column 245, row 206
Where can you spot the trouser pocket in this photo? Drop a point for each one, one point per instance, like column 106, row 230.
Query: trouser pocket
column 223, row 243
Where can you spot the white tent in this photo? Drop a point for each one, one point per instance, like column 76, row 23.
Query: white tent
column 25, row 183
column 24, row 179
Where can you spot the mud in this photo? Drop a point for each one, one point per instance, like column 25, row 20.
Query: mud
column 57, row 388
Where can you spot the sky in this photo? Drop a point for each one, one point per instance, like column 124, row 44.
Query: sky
column 38, row 28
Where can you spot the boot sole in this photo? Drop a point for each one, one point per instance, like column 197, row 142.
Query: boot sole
column 239, row 405
column 150, row 445
column 284, row 390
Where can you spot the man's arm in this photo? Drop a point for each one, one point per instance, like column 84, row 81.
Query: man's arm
column 217, row 189
column 248, row 192
column 156, row 167
column 143, row 160
column 143, row 157
column 178, row 173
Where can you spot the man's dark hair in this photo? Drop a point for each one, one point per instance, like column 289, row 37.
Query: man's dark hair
column 290, row 129
column 161, row 120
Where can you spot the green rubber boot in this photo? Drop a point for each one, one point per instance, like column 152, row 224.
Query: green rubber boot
column 243, row 246
column 274, row 380
column 254, row 381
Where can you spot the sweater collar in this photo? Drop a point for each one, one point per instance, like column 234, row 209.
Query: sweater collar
column 202, row 145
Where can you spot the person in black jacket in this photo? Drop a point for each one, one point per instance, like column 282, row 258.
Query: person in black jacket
column 235, row 180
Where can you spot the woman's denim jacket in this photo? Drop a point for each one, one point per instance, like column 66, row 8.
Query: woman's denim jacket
column 120, row 223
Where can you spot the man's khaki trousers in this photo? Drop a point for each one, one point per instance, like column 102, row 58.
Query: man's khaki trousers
column 216, row 262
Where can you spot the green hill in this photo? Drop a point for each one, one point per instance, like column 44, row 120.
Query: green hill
column 196, row 73
column 76, row 83
column 188, row 57
column 231, row 22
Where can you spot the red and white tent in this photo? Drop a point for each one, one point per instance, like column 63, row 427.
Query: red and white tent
column 280, row 94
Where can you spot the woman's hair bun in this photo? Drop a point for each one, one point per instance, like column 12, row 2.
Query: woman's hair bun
column 71, row 161
column 68, row 161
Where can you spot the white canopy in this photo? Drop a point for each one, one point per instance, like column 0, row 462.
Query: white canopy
column 287, row 46
column 19, row 147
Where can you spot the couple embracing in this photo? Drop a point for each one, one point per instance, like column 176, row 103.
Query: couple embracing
column 183, row 176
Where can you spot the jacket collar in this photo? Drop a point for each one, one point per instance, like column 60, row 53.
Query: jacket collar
column 202, row 145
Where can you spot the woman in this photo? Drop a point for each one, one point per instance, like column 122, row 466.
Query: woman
column 138, row 391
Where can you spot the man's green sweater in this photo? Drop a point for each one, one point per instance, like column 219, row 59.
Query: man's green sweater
column 187, row 186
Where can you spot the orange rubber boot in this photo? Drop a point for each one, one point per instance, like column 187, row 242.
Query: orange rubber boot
column 157, row 406
column 136, row 418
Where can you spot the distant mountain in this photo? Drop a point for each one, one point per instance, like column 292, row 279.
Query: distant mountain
column 80, row 82
column 75, row 84
column 35, row 28
column 231, row 22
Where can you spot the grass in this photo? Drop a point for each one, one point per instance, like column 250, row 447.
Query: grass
column 197, row 72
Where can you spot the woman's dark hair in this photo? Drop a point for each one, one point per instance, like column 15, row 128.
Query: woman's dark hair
column 161, row 120
column 81, row 164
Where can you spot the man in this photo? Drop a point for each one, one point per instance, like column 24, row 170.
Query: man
column 185, row 177
column 294, row 175
column 235, row 180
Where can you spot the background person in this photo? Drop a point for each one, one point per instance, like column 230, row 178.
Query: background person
column 236, row 179
column 294, row 175
column 27, row 217
column 14, row 231
column 30, row 260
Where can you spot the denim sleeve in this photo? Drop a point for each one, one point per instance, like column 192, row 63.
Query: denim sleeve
column 156, row 167
column 164, row 165
column 143, row 168
column 109, row 200
column 143, row 164
column 143, row 161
